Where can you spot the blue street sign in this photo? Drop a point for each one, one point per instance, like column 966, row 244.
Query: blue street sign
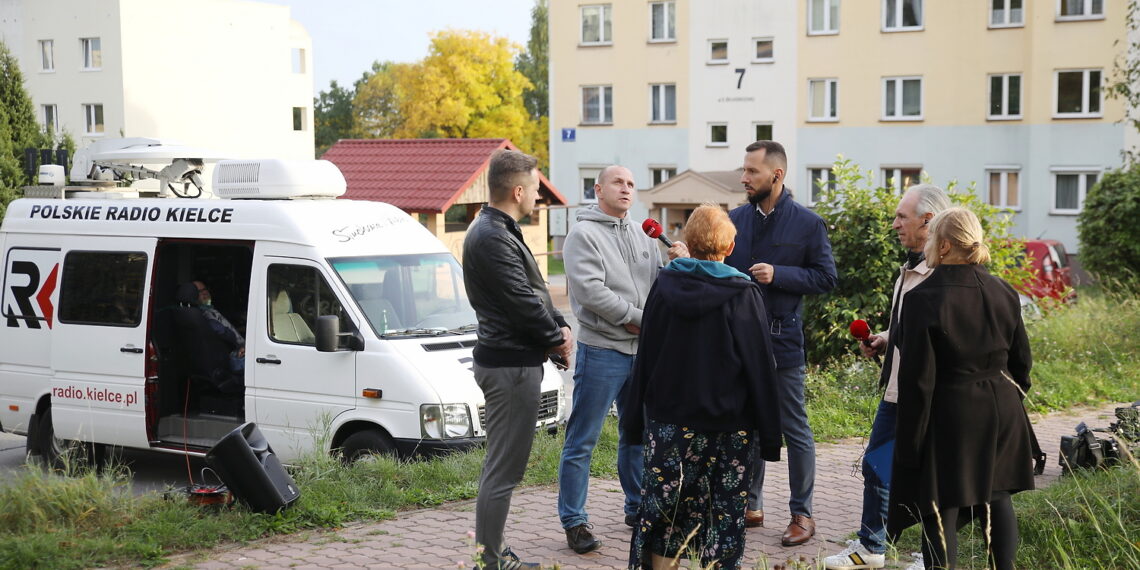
column 569, row 135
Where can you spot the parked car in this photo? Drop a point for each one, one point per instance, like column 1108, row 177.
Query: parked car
column 1050, row 267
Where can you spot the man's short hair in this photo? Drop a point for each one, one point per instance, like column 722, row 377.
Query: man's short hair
column 507, row 170
column 773, row 153
column 931, row 199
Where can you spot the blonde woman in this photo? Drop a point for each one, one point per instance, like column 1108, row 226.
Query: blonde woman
column 964, row 442
column 702, row 386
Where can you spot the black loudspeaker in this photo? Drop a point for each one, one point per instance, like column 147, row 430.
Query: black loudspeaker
column 245, row 462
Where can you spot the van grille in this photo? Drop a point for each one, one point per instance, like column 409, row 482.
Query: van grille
column 239, row 172
column 547, row 408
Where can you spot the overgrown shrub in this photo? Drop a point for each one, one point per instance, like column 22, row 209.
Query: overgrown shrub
column 868, row 255
column 1109, row 232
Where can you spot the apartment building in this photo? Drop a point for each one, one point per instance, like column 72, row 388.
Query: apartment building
column 1007, row 94
column 230, row 75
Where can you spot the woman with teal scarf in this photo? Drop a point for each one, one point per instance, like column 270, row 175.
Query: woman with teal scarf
column 702, row 388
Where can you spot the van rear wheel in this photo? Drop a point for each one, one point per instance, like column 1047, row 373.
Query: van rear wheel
column 367, row 442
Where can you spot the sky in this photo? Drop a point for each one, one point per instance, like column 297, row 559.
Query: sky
column 348, row 35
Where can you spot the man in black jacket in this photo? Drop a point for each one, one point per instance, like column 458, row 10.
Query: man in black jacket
column 518, row 328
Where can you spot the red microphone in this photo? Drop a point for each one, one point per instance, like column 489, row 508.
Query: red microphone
column 860, row 330
column 653, row 229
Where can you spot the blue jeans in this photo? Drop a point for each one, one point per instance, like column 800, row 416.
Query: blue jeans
column 876, row 495
column 601, row 376
column 801, row 446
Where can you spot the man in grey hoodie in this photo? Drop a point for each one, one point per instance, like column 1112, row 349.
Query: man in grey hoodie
column 610, row 267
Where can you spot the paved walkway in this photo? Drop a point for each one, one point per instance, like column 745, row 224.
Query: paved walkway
column 438, row 537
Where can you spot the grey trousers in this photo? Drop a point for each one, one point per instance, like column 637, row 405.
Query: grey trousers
column 511, row 395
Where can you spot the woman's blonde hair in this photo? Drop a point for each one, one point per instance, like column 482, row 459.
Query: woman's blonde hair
column 709, row 232
column 961, row 228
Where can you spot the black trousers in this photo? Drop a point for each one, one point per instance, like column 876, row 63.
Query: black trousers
column 999, row 527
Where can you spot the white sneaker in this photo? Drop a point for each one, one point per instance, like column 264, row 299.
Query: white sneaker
column 853, row 557
column 917, row 564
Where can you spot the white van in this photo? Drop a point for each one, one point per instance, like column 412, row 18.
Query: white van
column 94, row 347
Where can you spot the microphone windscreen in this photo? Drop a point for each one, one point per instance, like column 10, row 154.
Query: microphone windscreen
column 651, row 227
column 859, row 329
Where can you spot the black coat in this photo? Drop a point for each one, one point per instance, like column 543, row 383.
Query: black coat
column 962, row 431
column 705, row 360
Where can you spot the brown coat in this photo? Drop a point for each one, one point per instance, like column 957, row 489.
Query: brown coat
column 962, row 431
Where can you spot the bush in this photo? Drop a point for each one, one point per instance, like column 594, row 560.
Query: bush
column 868, row 254
column 1109, row 234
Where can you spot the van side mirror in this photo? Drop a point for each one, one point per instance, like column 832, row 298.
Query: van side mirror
column 329, row 335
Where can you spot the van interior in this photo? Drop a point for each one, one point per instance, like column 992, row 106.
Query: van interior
column 195, row 380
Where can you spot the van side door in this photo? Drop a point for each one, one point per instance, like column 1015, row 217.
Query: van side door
column 296, row 391
column 99, row 340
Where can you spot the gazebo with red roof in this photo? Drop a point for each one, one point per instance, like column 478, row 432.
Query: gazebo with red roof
column 443, row 181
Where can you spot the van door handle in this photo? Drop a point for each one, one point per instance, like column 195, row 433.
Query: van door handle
column 133, row 349
column 269, row 361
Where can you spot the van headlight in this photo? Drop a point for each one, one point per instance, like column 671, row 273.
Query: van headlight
column 445, row 421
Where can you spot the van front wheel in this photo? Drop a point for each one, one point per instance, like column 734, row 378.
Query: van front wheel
column 367, row 442
column 64, row 454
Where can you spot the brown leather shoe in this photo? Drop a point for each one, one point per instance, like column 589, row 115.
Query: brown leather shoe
column 799, row 531
column 753, row 519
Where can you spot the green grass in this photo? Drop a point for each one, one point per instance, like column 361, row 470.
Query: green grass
column 1087, row 521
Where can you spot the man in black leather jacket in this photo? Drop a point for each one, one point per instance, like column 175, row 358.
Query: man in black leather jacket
column 518, row 328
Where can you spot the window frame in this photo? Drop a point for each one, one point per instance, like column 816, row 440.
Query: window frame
column 88, row 54
column 605, row 13
column 827, row 28
column 830, row 101
column 1004, row 170
column 756, row 41
column 1007, row 13
column 91, row 111
column 297, row 60
column 1005, row 115
column 897, row 174
column 47, row 56
column 813, row 190
column 899, row 15
column 1085, row 94
column 771, row 127
column 51, row 126
column 1081, row 172
column 900, row 97
column 591, row 173
column 299, row 120
column 1086, row 12
column 603, row 90
column 65, row 306
column 657, row 95
column 670, row 9
column 668, row 171
column 711, row 60
column 709, row 142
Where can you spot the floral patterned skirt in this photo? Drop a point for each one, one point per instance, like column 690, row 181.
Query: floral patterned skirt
column 695, row 483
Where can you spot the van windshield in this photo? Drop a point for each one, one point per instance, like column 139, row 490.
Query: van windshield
column 419, row 294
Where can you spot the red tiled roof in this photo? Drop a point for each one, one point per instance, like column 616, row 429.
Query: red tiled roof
column 417, row 175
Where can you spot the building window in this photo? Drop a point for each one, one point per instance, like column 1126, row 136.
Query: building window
column 597, row 105
column 899, row 178
column 1078, row 93
column 660, row 174
column 589, row 178
column 298, row 57
column 51, row 118
column 1007, row 13
column 662, row 21
column 94, row 115
column 823, row 97
column 1005, row 96
column 1080, row 9
column 823, row 17
column 763, row 131
column 298, row 118
column 764, row 51
column 902, row 15
column 1004, row 188
column 718, row 51
column 820, row 178
column 47, row 55
column 596, row 27
column 718, row 134
column 1070, row 187
column 92, row 53
column 663, row 103
column 902, row 98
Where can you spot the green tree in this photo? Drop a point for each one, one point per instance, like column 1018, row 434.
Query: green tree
column 867, row 255
column 533, row 62
column 332, row 113
column 376, row 106
column 1109, row 234
column 1124, row 83
column 18, row 127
